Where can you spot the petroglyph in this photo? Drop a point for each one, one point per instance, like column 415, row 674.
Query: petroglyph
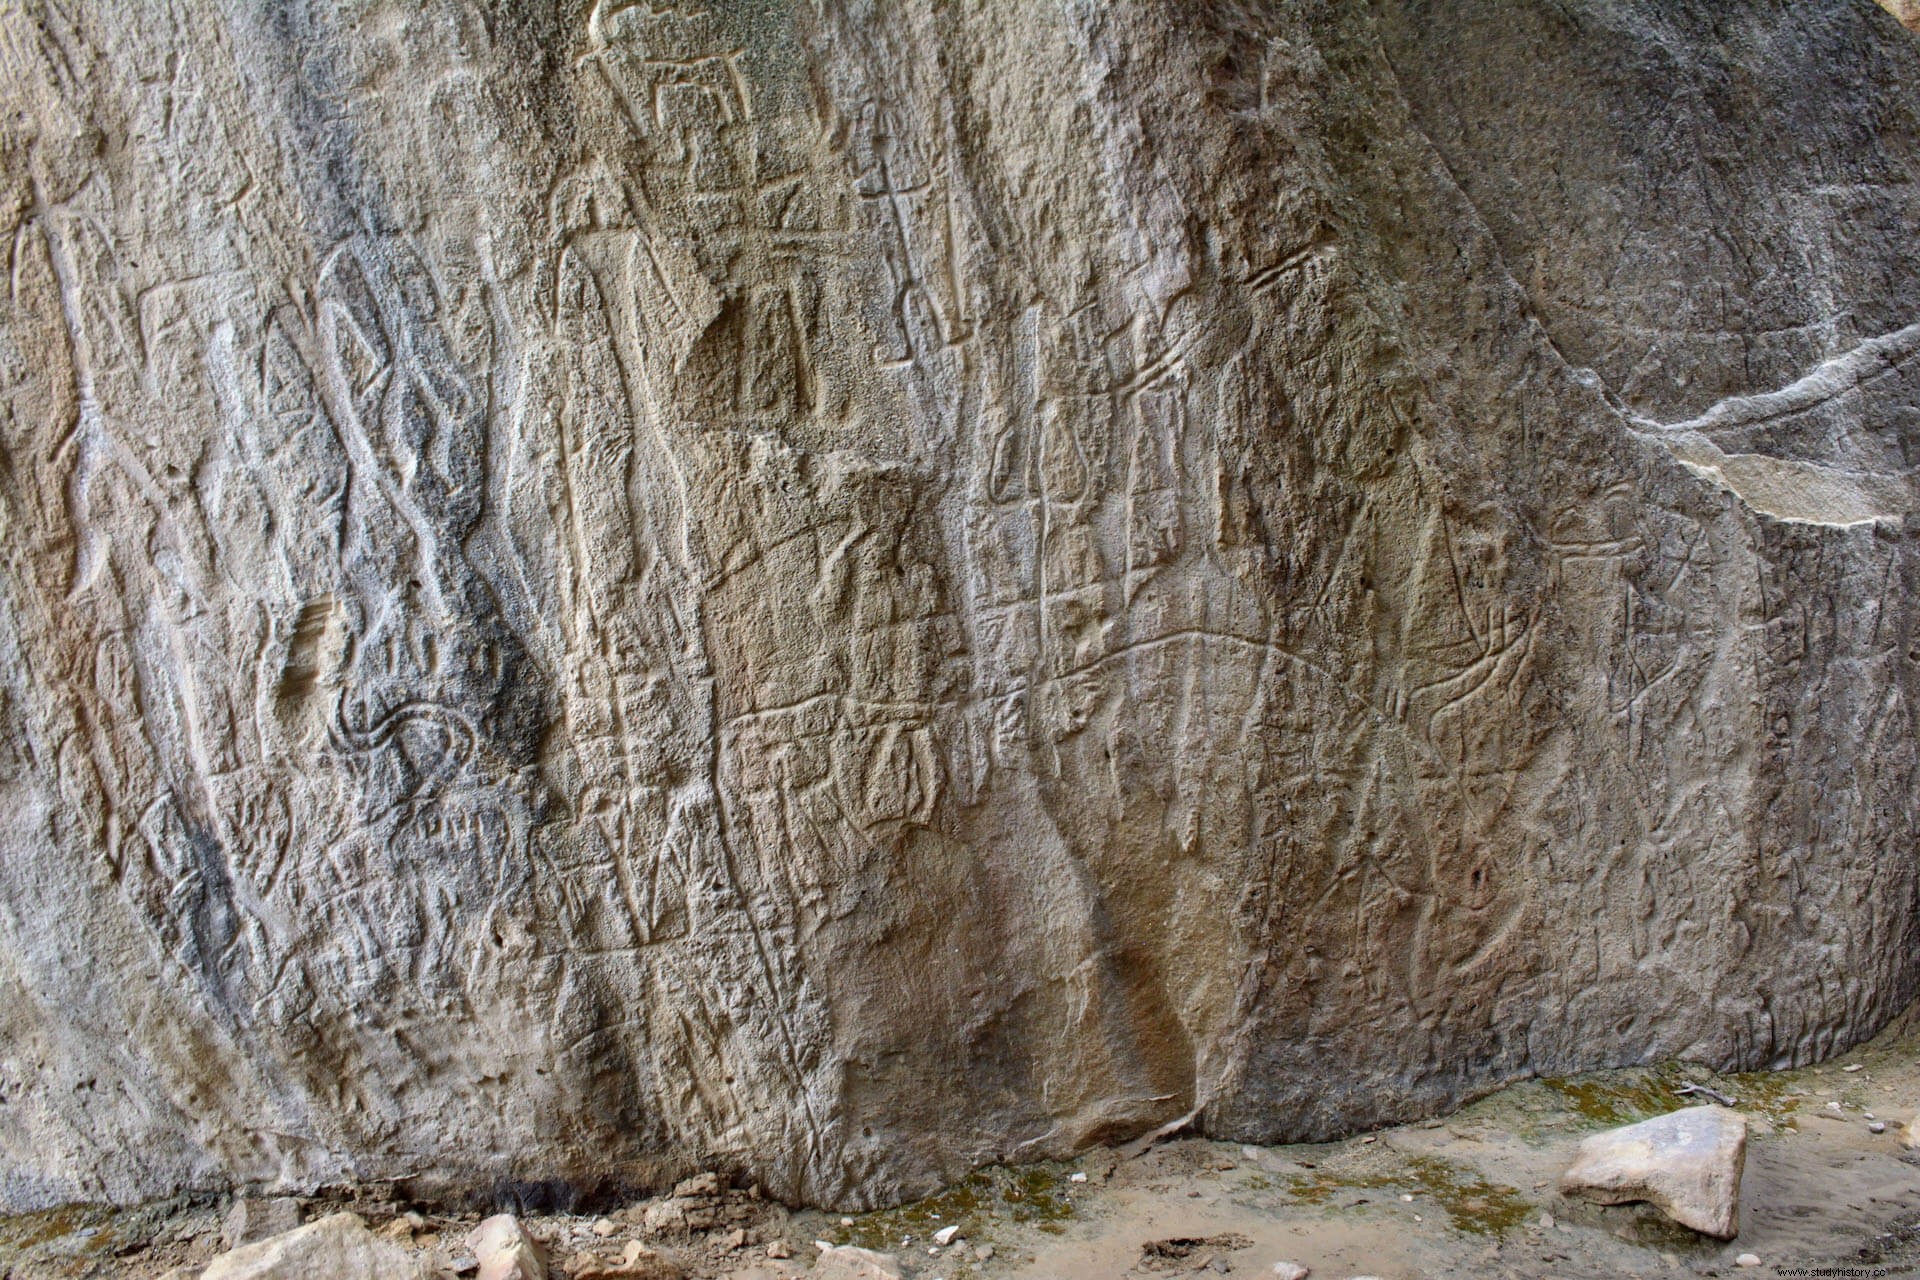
column 841, row 593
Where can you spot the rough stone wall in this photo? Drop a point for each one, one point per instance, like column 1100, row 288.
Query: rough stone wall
column 853, row 589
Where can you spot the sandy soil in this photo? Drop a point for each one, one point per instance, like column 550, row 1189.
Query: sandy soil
column 1471, row 1195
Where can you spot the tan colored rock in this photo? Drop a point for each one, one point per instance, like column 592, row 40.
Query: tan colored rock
column 701, row 1184
column 1907, row 11
column 1687, row 1164
column 677, row 1215
column 505, row 1251
column 338, row 1247
column 402, row 1228
column 638, row 1263
column 849, row 1262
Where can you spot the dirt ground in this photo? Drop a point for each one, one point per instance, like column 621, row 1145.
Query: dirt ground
column 1471, row 1195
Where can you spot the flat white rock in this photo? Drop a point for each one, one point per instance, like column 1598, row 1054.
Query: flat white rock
column 1686, row 1163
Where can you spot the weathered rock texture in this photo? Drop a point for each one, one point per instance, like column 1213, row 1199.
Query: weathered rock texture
column 853, row 589
column 1687, row 1163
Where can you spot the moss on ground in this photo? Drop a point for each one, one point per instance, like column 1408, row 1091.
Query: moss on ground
column 1030, row 1195
column 1472, row 1204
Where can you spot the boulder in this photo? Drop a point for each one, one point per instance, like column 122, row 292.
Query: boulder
column 505, row 1251
column 338, row 1247
column 1686, row 1163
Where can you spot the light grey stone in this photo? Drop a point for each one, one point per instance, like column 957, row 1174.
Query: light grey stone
column 338, row 1247
column 1686, row 1163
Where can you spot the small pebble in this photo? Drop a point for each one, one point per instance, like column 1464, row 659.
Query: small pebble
column 846, row 1222
column 1852, row 1066
column 1877, row 1126
column 982, row 1252
column 1288, row 1270
column 1078, row 1177
column 1752, row 1259
column 1405, row 1197
column 779, row 1249
column 605, row 1227
column 944, row 1236
column 1546, row 1222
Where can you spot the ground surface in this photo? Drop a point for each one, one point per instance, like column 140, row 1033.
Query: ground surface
column 1471, row 1195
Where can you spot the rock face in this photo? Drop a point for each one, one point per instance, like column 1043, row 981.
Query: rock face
column 848, row 590
column 1686, row 1163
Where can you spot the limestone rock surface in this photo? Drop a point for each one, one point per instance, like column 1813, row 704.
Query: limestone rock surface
column 837, row 591
column 1686, row 1163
